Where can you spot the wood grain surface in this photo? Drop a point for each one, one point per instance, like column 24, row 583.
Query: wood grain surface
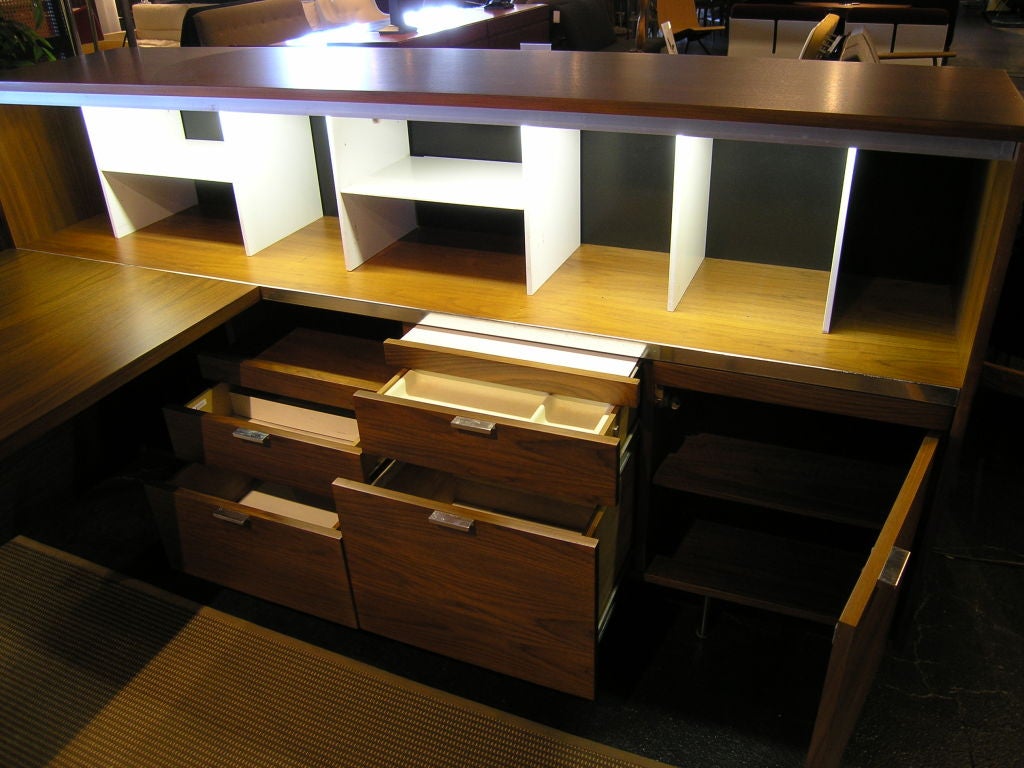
column 72, row 331
column 956, row 102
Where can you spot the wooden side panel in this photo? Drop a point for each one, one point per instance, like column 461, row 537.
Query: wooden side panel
column 185, row 428
column 507, row 597
column 300, row 566
column 285, row 457
column 581, row 468
column 863, row 627
column 48, row 179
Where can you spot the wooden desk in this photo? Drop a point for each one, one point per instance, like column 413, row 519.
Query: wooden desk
column 903, row 351
column 446, row 27
column 75, row 330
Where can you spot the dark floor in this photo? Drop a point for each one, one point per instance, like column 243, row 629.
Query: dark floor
column 950, row 692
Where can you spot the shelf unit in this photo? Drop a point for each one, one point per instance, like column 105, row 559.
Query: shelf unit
column 378, row 184
column 148, row 169
column 732, row 298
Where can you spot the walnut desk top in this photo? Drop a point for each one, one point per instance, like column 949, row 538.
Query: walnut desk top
column 74, row 330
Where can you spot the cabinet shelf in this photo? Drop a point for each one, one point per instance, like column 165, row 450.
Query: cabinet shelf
column 836, row 488
column 774, row 573
column 486, row 183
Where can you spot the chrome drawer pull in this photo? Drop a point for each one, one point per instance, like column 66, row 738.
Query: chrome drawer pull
column 476, row 426
column 894, row 566
column 231, row 516
column 251, row 435
column 448, row 520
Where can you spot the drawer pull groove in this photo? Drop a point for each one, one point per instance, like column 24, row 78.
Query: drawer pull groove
column 231, row 516
column 448, row 520
column 251, row 435
column 894, row 567
column 476, row 426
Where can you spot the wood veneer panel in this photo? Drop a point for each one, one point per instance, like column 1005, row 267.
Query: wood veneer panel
column 512, row 596
column 944, row 101
column 47, row 174
column 762, row 319
column 72, row 331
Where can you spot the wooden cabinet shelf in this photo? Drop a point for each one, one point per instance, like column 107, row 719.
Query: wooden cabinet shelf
column 803, row 482
column 775, row 573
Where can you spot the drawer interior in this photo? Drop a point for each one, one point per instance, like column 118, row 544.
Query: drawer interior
column 471, row 495
column 503, row 401
column 279, row 500
column 265, row 411
column 283, row 502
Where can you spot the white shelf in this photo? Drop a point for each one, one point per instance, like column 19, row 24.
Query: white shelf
column 378, row 183
column 452, row 180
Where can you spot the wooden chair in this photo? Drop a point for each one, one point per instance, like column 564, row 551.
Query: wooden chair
column 681, row 16
column 821, row 39
column 825, row 41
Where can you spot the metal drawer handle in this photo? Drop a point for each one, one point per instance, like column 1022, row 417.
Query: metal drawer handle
column 251, row 435
column 476, row 426
column 448, row 520
column 231, row 516
column 894, row 567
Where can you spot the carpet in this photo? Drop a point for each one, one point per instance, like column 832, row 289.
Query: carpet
column 99, row 670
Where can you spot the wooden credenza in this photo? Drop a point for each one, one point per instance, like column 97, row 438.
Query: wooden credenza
column 803, row 259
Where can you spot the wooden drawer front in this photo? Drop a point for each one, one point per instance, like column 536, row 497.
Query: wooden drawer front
column 309, row 365
column 550, row 461
column 514, row 597
column 301, row 461
column 284, row 561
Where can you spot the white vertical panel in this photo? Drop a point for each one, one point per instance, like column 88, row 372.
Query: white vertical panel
column 551, row 182
column 273, row 173
column 844, row 206
column 690, row 199
column 268, row 159
column 359, row 148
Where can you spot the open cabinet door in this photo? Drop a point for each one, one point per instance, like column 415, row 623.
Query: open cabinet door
column 863, row 627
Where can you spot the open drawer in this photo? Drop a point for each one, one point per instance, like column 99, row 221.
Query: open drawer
column 535, row 415
column 311, row 365
column 300, row 446
column 261, row 539
column 455, row 567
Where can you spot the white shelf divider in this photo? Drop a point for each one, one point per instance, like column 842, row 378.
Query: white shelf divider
column 148, row 168
column 361, row 148
column 551, row 181
column 690, row 201
column 844, row 206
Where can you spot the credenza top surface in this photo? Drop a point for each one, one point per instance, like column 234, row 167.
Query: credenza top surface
column 952, row 102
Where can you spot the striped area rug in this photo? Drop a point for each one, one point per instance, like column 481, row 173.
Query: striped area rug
column 100, row 671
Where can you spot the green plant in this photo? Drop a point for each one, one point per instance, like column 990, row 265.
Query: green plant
column 21, row 44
